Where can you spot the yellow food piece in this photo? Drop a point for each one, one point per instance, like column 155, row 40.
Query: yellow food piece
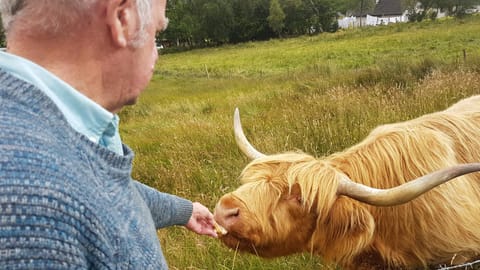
column 219, row 229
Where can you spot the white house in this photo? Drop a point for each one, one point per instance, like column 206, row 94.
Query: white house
column 385, row 12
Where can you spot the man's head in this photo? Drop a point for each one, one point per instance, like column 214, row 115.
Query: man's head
column 104, row 48
column 53, row 18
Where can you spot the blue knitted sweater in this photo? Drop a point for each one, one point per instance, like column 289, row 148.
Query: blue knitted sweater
column 68, row 203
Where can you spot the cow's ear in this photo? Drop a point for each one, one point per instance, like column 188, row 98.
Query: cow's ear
column 295, row 194
column 344, row 232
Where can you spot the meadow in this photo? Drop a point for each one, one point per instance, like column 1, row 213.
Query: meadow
column 318, row 94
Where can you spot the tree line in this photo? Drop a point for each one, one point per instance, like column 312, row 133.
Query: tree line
column 215, row 22
column 197, row 23
column 200, row 23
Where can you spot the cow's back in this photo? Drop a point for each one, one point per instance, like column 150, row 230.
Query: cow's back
column 442, row 223
column 471, row 104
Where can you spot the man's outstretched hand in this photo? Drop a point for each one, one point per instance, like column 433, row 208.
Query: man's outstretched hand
column 201, row 221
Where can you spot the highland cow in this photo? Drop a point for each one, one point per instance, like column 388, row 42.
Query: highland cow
column 386, row 202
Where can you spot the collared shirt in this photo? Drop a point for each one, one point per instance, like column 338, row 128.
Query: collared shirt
column 82, row 113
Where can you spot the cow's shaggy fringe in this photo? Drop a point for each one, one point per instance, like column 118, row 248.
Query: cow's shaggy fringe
column 423, row 232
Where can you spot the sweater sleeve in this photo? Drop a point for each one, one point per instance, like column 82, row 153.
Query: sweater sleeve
column 166, row 209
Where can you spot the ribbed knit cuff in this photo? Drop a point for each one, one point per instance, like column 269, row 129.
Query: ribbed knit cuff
column 184, row 210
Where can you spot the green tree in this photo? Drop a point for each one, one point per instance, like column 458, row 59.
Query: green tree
column 216, row 22
column 183, row 25
column 276, row 19
column 244, row 24
column 250, row 20
column 354, row 6
column 295, row 17
column 323, row 17
column 344, row 6
column 425, row 5
column 457, row 8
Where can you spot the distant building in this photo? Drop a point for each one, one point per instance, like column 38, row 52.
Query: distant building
column 384, row 12
column 388, row 11
column 472, row 10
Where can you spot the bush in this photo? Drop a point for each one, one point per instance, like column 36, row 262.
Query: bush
column 2, row 39
column 2, row 35
column 396, row 72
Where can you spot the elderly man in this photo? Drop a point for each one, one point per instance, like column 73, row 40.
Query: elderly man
column 67, row 200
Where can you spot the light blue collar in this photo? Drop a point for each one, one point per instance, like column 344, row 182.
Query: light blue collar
column 83, row 114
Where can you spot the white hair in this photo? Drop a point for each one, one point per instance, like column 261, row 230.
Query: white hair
column 144, row 8
column 54, row 17
column 8, row 9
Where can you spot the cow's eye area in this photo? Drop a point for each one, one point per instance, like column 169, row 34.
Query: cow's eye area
column 232, row 212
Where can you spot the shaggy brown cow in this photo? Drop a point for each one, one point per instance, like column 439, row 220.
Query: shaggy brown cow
column 360, row 208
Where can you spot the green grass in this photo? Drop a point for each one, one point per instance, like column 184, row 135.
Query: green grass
column 319, row 94
column 351, row 49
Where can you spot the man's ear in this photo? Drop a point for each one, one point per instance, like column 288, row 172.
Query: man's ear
column 121, row 19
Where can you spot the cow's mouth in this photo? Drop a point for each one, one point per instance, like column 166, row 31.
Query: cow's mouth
column 236, row 242
column 219, row 229
column 246, row 245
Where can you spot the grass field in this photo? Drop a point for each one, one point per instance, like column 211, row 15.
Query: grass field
column 319, row 94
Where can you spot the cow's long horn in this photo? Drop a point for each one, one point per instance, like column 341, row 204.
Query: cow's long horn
column 241, row 140
column 405, row 192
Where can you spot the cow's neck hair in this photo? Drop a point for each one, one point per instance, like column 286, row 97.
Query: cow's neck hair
column 397, row 153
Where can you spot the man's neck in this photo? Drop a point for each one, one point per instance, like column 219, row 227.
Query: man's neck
column 75, row 63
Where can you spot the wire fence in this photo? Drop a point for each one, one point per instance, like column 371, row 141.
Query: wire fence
column 470, row 266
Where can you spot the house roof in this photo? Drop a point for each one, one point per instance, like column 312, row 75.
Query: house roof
column 388, row 7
